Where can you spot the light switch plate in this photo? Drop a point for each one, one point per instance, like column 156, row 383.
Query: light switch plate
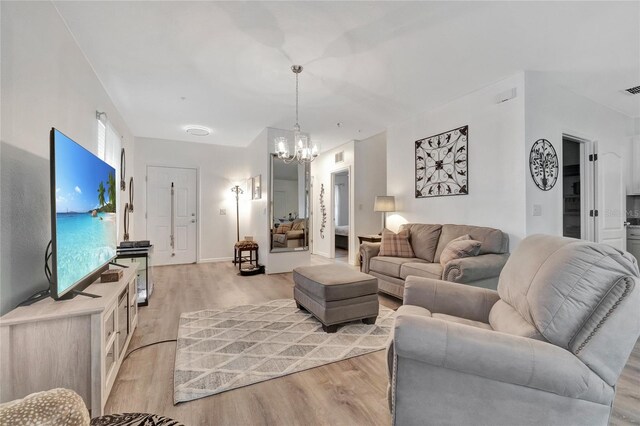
column 537, row 209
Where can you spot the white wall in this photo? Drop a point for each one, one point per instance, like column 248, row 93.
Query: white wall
column 341, row 210
column 496, row 171
column 551, row 111
column 321, row 170
column 370, row 176
column 46, row 82
column 219, row 169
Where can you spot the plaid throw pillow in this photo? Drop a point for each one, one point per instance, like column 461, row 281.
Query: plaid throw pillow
column 284, row 228
column 396, row 245
column 461, row 247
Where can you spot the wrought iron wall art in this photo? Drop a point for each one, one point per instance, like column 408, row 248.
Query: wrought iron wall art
column 323, row 212
column 131, row 195
column 543, row 164
column 442, row 164
column 123, row 184
column 126, row 222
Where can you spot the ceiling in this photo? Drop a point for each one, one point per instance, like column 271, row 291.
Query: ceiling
column 367, row 65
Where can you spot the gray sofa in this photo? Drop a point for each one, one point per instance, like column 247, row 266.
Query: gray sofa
column 428, row 242
column 546, row 348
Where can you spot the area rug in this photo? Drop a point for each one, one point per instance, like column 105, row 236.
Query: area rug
column 221, row 350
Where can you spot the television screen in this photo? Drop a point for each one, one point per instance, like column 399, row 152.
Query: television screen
column 83, row 192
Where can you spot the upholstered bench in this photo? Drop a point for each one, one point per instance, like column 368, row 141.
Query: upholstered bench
column 336, row 294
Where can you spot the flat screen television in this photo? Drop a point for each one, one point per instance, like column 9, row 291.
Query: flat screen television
column 83, row 216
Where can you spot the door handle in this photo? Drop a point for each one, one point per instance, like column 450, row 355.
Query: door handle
column 626, row 223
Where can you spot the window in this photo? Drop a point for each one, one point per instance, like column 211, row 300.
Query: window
column 109, row 147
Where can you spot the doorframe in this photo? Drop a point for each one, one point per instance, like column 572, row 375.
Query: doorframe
column 588, row 184
column 198, row 203
column 332, row 198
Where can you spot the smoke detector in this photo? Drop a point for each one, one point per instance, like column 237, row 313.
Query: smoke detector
column 198, row 130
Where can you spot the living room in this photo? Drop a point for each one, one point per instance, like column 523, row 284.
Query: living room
column 277, row 150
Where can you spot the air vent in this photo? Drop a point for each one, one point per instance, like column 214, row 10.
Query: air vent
column 634, row 90
column 340, row 157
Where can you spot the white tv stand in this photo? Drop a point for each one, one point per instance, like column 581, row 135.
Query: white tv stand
column 77, row 344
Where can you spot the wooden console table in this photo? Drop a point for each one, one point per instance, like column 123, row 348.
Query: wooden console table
column 77, row 344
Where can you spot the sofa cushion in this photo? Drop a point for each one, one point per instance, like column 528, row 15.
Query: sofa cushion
column 333, row 282
column 396, row 245
column 389, row 265
column 460, row 248
column 427, row 270
column 424, row 239
column 505, row 319
column 493, row 240
column 423, row 312
column 464, row 321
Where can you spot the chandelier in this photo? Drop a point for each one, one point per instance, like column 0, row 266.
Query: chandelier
column 304, row 150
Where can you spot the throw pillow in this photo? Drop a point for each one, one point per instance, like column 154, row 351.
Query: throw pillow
column 298, row 226
column 459, row 248
column 284, row 228
column 396, row 245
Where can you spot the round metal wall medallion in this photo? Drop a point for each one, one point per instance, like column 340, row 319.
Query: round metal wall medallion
column 543, row 163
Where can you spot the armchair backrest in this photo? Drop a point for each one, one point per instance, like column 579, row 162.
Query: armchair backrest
column 581, row 296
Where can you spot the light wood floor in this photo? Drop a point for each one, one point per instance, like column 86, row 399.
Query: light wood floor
column 350, row 392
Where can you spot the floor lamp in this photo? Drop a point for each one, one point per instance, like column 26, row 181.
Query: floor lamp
column 384, row 204
column 237, row 190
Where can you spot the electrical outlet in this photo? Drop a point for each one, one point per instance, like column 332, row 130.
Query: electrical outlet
column 537, row 209
column 223, row 212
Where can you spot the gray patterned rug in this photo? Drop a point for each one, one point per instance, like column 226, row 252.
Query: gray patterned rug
column 220, row 350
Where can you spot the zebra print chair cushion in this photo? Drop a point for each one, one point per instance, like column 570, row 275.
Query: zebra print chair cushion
column 134, row 419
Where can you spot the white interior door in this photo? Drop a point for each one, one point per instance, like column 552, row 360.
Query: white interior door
column 610, row 201
column 171, row 214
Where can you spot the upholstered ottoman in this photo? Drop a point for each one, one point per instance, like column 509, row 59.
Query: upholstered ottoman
column 336, row 294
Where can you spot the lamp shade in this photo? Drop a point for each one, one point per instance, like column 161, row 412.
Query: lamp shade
column 384, row 203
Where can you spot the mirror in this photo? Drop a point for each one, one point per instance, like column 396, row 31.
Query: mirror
column 289, row 200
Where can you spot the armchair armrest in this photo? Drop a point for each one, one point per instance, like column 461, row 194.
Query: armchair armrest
column 367, row 251
column 460, row 300
column 497, row 356
column 469, row 269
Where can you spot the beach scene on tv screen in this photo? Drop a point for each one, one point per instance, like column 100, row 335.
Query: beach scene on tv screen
column 85, row 212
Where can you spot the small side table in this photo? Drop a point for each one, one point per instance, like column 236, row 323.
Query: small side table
column 239, row 257
column 369, row 239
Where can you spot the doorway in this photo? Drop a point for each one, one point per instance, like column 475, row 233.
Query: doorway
column 593, row 192
column 572, row 171
column 341, row 213
column 171, row 214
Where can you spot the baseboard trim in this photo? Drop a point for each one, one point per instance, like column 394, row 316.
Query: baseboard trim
column 318, row 253
column 216, row 259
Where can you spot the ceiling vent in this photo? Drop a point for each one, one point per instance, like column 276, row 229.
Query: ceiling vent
column 339, row 157
column 634, row 90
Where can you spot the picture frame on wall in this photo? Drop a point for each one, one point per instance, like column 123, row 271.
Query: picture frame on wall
column 442, row 164
column 249, row 189
column 257, row 187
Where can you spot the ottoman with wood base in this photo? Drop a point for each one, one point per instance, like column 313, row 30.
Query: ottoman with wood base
column 336, row 294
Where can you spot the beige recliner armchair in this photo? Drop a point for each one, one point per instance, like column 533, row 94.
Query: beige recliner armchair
column 546, row 348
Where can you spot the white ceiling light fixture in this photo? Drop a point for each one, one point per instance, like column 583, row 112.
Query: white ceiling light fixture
column 304, row 150
column 198, row 130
